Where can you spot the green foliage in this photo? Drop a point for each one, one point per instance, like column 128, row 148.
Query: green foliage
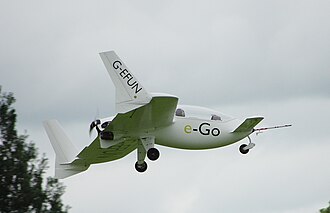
column 22, row 186
column 325, row 210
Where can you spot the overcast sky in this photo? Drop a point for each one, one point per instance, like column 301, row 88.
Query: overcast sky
column 242, row 58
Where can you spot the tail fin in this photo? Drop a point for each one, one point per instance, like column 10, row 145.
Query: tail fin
column 66, row 152
column 130, row 94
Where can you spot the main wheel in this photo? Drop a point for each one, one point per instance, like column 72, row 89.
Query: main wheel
column 141, row 167
column 242, row 150
column 153, row 154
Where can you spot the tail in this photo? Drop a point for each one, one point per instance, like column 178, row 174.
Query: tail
column 66, row 163
column 130, row 94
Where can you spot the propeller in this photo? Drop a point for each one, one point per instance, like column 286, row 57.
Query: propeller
column 93, row 125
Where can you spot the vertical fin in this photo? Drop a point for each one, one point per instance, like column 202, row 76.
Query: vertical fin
column 66, row 152
column 130, row 94
column 67, row 170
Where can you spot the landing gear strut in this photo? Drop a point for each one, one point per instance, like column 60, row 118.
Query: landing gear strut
column 145, row 148
column 245, row 148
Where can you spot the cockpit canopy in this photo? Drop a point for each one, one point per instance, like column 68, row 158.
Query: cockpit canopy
column 216, row 118
column 180, row 112
column 200, row 113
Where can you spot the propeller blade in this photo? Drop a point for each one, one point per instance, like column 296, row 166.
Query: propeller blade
column 93, row 125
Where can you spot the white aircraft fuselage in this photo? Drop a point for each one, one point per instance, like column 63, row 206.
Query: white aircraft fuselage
column 144, row 120
column 193, row 131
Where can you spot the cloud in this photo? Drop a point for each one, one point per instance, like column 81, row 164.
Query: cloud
column 242, row 58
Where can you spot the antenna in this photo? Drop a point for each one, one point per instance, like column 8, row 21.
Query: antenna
column 260, row 130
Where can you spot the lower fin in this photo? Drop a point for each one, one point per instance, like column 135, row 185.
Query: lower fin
column 66, row 163
column 66, row 170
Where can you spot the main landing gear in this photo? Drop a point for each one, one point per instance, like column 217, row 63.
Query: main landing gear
column 153, row 154
column 145, row 148
column 141, row 167
column 245, row 148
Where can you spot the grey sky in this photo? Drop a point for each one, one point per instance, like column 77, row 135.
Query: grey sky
column 243, row 58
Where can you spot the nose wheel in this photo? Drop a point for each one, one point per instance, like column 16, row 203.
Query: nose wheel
column 245, row 148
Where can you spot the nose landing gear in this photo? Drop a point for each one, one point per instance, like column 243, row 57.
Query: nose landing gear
column 245, row 148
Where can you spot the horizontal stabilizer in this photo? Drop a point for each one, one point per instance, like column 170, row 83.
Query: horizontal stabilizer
column 248, row 124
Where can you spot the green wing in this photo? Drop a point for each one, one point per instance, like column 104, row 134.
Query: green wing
column 159, row 112
column 95, row 154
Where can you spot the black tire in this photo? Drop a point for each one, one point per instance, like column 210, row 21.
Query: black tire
column 153, row 154
column 242, row 150
column 141, row 167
